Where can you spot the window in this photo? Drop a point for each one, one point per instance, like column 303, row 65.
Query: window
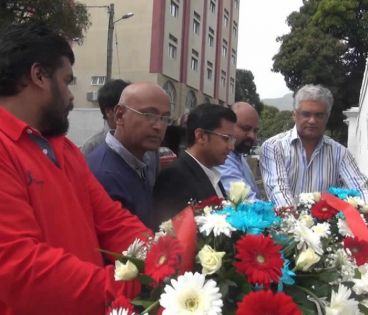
column 224, row 47
column 196, row 23
column 213, row 6
column 174, row 9
column 98, row 80
column 173, row 42
column 226, row 18
column 209, row 70
column 223, row 78
column 194, row 60
column 171, row 92
column 190, row 101
column 236, row 3
column 211, row 36
column 233, row 57
column 232, row 85
column 74, row 81
column 235, row 29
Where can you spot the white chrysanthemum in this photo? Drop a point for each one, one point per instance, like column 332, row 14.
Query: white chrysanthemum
column 361, row 285
column 322, row 229
column 214, row 222
column 306, row 198
column 341, row 304
column 344, row 262
column 207, row 210
column 306, row 237
column 344, row 229
column 137, row 249
column 191, row 294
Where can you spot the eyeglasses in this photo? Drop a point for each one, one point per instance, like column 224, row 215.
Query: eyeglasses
column 308, row 115
column 152, row 118
column 229, row 139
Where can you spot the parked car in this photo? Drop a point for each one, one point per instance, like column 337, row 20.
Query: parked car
column 166, row 156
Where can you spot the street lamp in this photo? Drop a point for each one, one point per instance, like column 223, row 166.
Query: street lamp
column 110, row 33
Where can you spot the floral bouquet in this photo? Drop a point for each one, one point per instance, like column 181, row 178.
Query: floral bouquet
column 236, row 257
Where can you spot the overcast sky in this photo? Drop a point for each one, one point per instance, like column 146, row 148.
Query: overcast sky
column 260, row 23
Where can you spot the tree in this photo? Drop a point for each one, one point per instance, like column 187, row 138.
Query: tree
column 68, row 17
column 328, row 45
column 246, row 90
column 274, row 121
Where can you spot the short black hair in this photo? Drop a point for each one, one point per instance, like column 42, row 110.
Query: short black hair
column 209, row 117
column 109, row 94
column 21, row 46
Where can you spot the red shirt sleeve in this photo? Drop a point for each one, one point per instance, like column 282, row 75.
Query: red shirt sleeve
column 36, row 278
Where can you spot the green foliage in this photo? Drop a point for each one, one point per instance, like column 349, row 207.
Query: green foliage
column 246, row 90
column 68, row 17
column 274, row 121
column 327, row 44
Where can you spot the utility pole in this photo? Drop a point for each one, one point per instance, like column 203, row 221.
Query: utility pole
column 110, row 33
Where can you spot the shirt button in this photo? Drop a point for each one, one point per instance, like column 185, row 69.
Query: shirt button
column 45, row 151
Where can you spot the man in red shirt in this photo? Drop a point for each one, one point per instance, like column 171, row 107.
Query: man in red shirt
column 54, row 215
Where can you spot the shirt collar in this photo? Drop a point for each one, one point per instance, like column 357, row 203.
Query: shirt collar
column 295, row 137
column 12, row 126
column 115, row 145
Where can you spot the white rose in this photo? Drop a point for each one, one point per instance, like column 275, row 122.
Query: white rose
column 307, row 259
column 365, row 208
column 238, row 192
column 317, row 196
column 210, row 260
column 127, row 271
column 307, row 220
column 352, row 202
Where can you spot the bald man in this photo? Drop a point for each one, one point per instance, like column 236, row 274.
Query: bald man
column 236, row 167
column 141, row 117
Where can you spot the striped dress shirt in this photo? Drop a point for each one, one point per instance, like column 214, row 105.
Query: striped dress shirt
column 287, row 173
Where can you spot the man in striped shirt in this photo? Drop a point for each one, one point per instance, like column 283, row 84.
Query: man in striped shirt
column 303, row 159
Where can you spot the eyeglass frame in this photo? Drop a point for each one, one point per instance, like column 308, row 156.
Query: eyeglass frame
column 229, row 139
column 151, row 117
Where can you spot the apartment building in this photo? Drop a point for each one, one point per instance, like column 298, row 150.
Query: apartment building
column 188, row 47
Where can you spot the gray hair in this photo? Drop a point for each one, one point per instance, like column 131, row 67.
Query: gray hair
column 312, row 92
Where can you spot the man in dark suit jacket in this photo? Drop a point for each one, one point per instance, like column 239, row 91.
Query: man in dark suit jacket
column 210, row 138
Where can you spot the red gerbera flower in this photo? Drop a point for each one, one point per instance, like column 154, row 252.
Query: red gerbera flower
column 260, row 259
column 212, row 201
column 265, row 302
column 163, row 258
column 359, row 249
column 322, row 211
column 120, row 302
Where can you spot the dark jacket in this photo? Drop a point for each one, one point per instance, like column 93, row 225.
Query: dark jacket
column 183, row 180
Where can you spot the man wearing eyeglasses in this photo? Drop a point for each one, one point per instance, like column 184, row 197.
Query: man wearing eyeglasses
column 210, row 138
column 236, row 167
column 121, row 164
column 304, row 159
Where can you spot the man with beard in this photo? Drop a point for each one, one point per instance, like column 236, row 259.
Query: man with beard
column 54, row 213
column 236, row 168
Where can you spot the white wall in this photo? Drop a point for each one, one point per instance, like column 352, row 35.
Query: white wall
column 83, row 123
column 358, row 127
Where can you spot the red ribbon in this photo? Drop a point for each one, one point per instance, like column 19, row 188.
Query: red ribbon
column 186, row 233
column 352, row 216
